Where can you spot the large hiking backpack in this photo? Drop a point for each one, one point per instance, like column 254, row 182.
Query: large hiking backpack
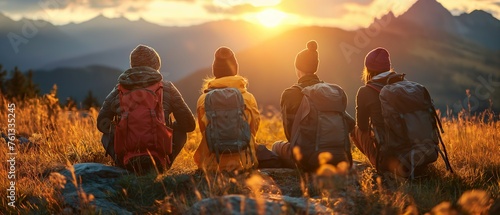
column 411, row 125
column 320, row 125
column 141, row 133
column 227, row 130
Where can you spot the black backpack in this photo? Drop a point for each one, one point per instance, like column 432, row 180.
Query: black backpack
column 320, row 125
column 412, row 127
column 228, row 130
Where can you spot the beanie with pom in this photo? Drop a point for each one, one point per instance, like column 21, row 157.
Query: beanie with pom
column 144, row 55
column 307, row 60
column 378, row 60
column 225, row 63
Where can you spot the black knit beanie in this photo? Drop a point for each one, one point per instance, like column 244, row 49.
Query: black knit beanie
column 225, row 63
column 307, row 60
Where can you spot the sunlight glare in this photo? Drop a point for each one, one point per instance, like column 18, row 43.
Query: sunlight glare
column 270, row 17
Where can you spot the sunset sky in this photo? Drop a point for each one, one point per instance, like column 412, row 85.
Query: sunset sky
column 270, row 13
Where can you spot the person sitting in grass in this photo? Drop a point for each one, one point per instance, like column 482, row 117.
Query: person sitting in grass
column 314, row 118
column 396, row 123
column 143, row 76
column 228, row 118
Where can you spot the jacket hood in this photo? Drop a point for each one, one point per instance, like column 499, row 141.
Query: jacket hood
column 236, row 81
column 138, row 77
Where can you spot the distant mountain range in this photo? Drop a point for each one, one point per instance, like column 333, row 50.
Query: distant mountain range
column 77, row 82
column 108, row 42
column 421, row 42
column 447, row 53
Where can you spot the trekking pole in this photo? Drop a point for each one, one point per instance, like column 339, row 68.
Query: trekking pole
column 445, row 157
column 438, row 120
column 440, row 126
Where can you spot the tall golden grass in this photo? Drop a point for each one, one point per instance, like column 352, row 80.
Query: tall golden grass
column 62, row 135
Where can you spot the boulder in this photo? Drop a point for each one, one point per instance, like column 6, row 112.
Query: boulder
column 233, row 204
column 96, row 179
column 275, row 204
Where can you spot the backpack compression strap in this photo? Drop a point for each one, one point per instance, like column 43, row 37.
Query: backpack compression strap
column 210, row 113
column 377, row 87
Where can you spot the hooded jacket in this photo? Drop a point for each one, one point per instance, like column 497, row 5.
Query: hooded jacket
column 140, row 77
column 206, row 160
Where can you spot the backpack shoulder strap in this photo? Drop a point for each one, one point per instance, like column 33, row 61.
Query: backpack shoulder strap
column 298, row 87
column 302, row 111
column 208, row 90
column 375, row 86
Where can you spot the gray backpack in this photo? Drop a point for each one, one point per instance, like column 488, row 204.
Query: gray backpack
column 228, row 130
column 411, row 125
column 320, row 125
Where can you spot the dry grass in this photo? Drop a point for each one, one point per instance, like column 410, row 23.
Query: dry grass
column 61, row 135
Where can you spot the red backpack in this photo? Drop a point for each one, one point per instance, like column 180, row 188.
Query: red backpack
column 141, row 130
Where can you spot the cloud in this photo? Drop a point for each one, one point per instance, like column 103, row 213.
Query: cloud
column 319, row 8
column 311, row 8
column 338, row 13
column 25, row 6
column 237, row 9
column 234, row 7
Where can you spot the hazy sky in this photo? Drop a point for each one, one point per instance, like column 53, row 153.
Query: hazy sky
column 340, row 13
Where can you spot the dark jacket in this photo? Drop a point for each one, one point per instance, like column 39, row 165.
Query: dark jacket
column 291, row 99
column 368, row 108
column 140, row 77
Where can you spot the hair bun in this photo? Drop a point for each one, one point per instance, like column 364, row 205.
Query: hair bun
column 312, row 45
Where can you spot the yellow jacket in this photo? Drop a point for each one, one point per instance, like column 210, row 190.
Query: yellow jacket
column 206, row 160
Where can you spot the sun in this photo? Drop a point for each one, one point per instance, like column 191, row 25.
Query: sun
column 270, row 17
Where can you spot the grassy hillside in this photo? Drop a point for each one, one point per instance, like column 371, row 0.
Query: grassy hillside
column 61, row 136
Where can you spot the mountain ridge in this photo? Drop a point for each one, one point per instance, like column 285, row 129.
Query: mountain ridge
column 100, row 34
column 187, row 52
column 417, row 52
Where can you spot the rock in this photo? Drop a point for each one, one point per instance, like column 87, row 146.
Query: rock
column 23, row 142
column 287, row 182
column 300, row 205
column 96, row 179
column 274, row 204
column 281, row 181
column 233, row 204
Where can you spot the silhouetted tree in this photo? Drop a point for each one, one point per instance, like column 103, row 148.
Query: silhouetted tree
column 90, row 101
column 3, row 75
column 15, row 85
column 31, row 88
column 20, row 86
column 70, row 103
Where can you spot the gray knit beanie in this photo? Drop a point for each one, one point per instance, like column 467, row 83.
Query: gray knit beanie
column 144, row 55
